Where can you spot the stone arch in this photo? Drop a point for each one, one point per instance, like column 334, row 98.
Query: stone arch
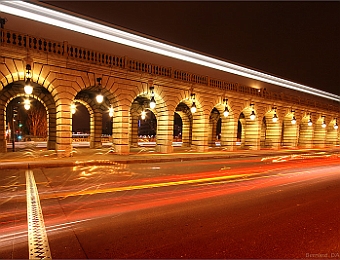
column 250, row 128
column 226, row 124
column 15, row 89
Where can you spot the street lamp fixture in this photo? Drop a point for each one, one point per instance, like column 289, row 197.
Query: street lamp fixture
column 336, row 124
column 111, row 111
column 28, row 87
column 226, row 110
column 73, row 108
column 99, row 97
column 27, row 104
column 310, row 123
column 252, row 115
column 293, row 120
column 324, row 122
column 275, row 118
column 152, row 103
column 193, row 108
column 143, row 115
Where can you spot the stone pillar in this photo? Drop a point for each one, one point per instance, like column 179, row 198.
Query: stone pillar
column 51, row 136
column 3, row 141
column 200, row 128
column 251, row 134
column 165, row 124
column 228, row 133
column 63, row 128
column 96, row 129
column 134, row 129
column 120, row 131
column 273, row 135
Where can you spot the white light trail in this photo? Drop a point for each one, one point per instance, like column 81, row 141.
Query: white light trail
column 63, row 20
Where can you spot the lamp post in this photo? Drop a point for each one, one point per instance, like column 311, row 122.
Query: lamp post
column 252, row 115
column 226, row 110
column 152, row 103
column 293, row 118
column 193, row 108
column 28, row 87
column 99, row 97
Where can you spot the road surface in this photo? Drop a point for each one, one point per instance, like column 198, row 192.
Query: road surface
column 282, row 207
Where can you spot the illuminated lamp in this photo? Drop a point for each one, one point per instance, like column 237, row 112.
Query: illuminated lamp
column 27, row 104
column 143, row 115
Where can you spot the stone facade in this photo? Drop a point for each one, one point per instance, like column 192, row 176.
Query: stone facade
column 63, row 74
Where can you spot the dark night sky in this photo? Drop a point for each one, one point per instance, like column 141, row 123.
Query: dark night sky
column 298, row 41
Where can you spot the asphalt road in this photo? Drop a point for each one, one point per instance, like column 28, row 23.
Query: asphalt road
column 271, row 208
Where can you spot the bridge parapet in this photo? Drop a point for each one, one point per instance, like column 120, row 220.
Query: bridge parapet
column 21, row 40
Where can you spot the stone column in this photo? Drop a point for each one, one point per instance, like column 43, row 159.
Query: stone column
column 96, row 129
column 200, row 128
column 134, row 129
column 3, row 141
column 121, row 130
column 165, row 124
column 228, row 133
column 63, row 128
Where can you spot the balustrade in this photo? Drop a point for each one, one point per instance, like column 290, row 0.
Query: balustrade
column 12, row 38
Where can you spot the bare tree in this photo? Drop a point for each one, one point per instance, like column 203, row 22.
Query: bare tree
column 37, row 120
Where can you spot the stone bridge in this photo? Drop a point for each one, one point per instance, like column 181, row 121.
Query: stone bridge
column 260, row 115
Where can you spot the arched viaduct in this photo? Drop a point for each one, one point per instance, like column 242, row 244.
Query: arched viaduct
column 63, row 74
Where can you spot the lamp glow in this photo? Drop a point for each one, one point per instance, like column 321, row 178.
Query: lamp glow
column 226, row 112
column 143, row 115
column 27, row 104
column 293, row 120
column 193, row 108
column 111, row 111
column 73, row 108
column 152, row 103
column 252, row 115
column 99, row 98
column 275, row 118
column 28, row 87
column 310, row 123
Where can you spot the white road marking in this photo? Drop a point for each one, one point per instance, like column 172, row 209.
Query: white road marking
column 38, row 245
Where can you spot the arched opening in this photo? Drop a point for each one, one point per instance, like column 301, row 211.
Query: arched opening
column 147, row 129
column 215, row 128
column 143, row 122
column 178, row 128
column 183, row 111
column 37, row 124
column 92, row 118
column 240, row 131
column 26, row 123
column 80, row 125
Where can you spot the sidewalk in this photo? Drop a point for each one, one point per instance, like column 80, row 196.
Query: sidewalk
column 35, row 158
